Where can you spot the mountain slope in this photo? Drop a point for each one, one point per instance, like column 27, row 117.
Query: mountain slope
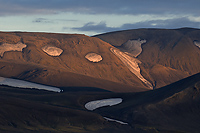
column 174, row 49
column 25, row 110
column 60, row 77
column 171, row 108
column 72, row 59
column 179, row 111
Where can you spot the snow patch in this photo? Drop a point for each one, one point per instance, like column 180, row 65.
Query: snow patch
column 120, row 122
column 101, row 103
column 133, row 47
column 132, row 64
column 52, row 50
column 197, row 43
column 11, row 47
column 26, row 84
column 93, row 57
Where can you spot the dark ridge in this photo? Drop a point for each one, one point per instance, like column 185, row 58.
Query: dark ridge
column 82, row 89
column 186, row 30
column 183, row 30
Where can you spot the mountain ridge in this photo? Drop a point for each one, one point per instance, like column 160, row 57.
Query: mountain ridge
column 170, row 48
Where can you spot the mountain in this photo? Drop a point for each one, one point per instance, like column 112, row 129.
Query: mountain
column 173, row 108
column 104, row 83
column 167, row 55
column 60, row 60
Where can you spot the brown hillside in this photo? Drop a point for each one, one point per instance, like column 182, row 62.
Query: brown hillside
column 60, row 77
column 72, row 60
column 172, row 49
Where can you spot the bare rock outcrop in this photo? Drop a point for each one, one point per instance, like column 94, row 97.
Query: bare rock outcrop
column 133, row 47
column 52, row 50
column 197, row 43
column 132, row 65
column 5, row 47
column 93, row 57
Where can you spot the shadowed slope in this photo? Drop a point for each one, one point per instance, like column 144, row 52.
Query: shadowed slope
column 25, row 110
column 171, row 108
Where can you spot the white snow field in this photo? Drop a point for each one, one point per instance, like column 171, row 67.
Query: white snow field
column 11, row 47
column 197, row 43
column 132, row 64
column 93, row 57
column 133, row 47
column 26, row 84
column 52, row 50
column 101, row 103
column 120, row 122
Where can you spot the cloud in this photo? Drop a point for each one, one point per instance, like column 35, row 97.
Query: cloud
column 91, row 26
column 42, row 20
column 168, row 23
column 10, row 7
column 109, row 11
column 45, row 20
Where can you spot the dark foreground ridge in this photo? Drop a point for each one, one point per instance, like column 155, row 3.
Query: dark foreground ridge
column 172, row 108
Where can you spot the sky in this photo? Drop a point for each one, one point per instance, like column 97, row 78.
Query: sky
column 93, row 17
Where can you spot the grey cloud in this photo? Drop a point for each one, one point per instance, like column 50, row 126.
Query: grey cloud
column 91, row 26
column 100, row 6
column 44, row 20
column 169, row 24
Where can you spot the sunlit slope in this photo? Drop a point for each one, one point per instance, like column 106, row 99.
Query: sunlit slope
column 174, row 50
column 60, row 78
column 70, row 56
column 132, row 64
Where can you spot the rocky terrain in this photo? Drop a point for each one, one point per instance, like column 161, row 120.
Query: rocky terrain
column 132, row 64
column 6, row 47
column 93, row 57
column 132, row 47
column 52, row 50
